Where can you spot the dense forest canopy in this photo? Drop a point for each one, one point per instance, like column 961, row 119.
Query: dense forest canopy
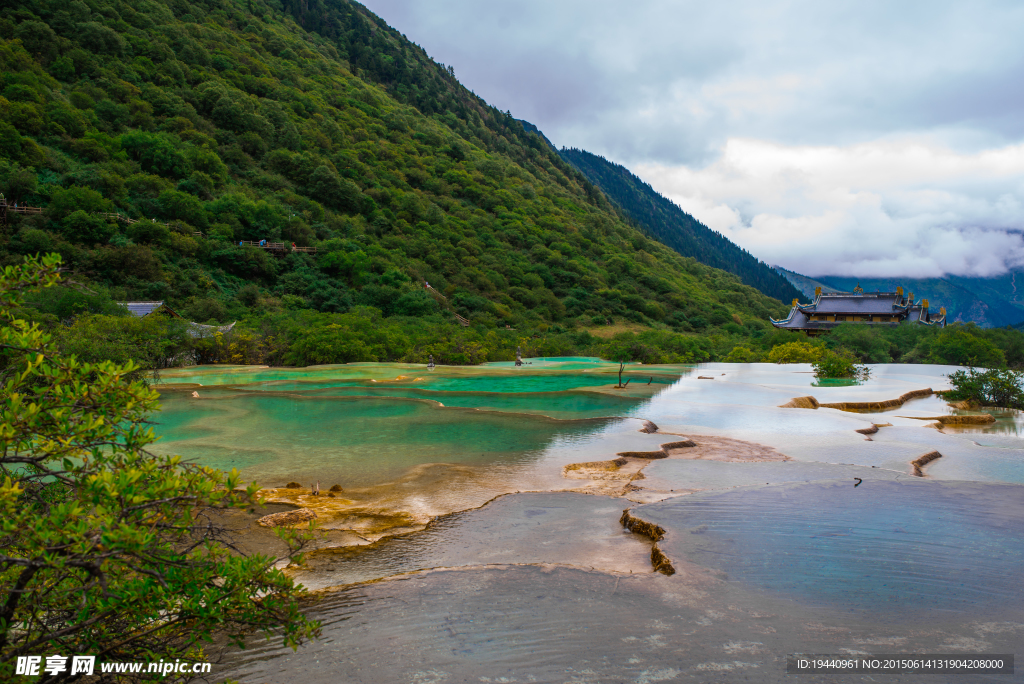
column 664, row 220
column 219, row 122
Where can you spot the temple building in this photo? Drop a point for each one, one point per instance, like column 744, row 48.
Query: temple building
column 875, row 308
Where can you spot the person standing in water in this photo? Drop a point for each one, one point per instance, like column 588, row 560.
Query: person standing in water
column 430, row 362
column 519, row 356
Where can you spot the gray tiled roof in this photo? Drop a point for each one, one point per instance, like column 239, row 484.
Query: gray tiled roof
column 797, row 319
column 856, row 304
column 141, row 309
column 879, row 304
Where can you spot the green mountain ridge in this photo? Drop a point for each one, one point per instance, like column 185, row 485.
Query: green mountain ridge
column 314, row 123
column 665, row 221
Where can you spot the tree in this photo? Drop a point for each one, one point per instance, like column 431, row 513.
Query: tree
column 959, row 345
column 795, row 352
column 987, row 387
column 621, row 352
column 839, row 364
column 742, row 353
column 105, row 548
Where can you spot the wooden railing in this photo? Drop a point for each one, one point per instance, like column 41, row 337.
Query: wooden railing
column 24, row 210
column 277, row 246
column 6, row 208
column 119, row 217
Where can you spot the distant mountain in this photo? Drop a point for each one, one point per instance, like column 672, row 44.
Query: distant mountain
column 804, row 284
column 989, row 302
column 530, row 128
column 666, row 222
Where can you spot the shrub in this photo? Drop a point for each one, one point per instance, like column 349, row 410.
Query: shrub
column 795, row 352
column 862, row 340
column 958, row 345
column 151, row 342
column 832, row 364
column 742, row 353
column 987, row 387
column 81, row 226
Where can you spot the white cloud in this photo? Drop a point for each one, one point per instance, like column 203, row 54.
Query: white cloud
column 885, row 208
column 808, row 131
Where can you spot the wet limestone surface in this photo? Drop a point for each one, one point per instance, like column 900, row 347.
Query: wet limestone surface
column 556, row 624
column 408, row 451
column 537, row 527
column 670, row 478
column 884, row 547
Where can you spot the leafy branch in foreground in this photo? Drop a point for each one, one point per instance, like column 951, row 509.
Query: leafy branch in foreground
column 105, row 548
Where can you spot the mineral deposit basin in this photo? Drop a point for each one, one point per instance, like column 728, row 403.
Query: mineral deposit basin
column 772, row 558
column 880, row 548
column 355, row 440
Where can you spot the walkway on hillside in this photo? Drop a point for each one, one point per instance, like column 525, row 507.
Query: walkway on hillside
column 443, row 301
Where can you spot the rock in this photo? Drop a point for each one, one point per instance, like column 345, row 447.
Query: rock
column 295, row 517
column 642, row 454
column 965, row 405
column 336, row 488
column 640, row 526
column 292, row 485
column 869, row 406
column 980, row 419
column 649, row 427
column 679, row 445
column 921, row 461
column 704, row 377
column 801, row 402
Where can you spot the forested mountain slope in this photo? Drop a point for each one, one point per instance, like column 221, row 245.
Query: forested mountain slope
column 663, row 219
column 222, row 121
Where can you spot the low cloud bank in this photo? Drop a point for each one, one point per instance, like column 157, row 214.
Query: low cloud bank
column 886, row 208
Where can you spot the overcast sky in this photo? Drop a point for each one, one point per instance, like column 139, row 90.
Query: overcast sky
column 845, row 138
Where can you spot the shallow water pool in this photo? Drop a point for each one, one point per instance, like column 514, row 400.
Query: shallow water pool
column 772, row 557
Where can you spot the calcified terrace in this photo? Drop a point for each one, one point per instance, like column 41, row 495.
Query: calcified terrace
column 736, row 521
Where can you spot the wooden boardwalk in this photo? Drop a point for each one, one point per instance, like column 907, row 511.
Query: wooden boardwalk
column 277, row 246
column 6, row 209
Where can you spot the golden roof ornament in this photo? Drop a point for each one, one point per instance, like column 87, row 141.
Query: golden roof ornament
column 858, row 289
column 924, row 303
column 899, row 290
column 817, row 291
